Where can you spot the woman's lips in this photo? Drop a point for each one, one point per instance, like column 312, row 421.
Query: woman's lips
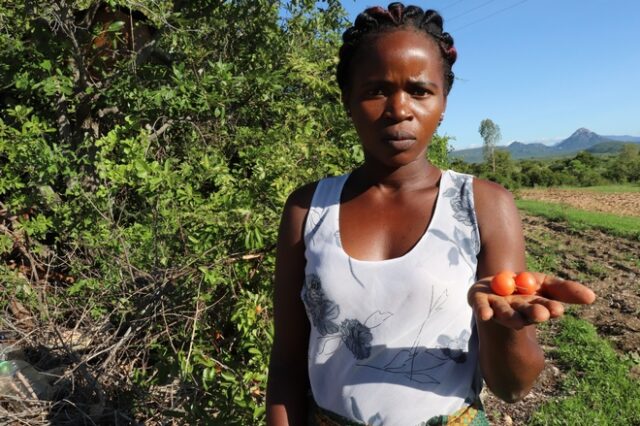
column 399, row 139
column 398, row 135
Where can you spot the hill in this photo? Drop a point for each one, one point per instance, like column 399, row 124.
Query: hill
column 609, row 147
column 581, row 140
column 624, row 138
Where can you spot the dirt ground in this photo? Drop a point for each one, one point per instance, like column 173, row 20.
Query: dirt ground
column 611, row 267
column 624, row 203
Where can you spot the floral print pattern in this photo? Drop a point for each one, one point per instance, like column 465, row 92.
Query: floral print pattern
column 461, row 200
column 426, row 341
column 418, row 364
column 460, row 197
column 321, row 310
column 357, row 337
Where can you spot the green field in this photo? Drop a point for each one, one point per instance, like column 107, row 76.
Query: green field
column 607, row 188
column 623, row 226
column 597, row 386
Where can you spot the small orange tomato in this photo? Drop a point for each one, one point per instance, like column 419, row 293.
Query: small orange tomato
column 503, row 283
column 526, row 283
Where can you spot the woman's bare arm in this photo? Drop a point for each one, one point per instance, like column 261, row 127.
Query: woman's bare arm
column 288, row 383
column 510, row 356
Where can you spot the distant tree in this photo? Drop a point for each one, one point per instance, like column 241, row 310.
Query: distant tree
column 629, row 159
column 507, row 172
column 535, row 173
column 630, row 150
column 438, row 152
column 463, row 167
column 490, row 133
column 587, row 158
column 625, row 166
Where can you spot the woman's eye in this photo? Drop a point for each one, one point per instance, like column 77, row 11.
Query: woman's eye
column 375, row 92
column 419, row 91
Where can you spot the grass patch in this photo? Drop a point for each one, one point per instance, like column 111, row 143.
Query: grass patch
column 598, row 387
column 541, row 257
column 623, row 226
column 630, row 187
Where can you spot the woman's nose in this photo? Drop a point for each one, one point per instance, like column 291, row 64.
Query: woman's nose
column 397, row 107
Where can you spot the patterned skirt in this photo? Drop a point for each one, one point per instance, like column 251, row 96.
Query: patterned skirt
column 472, row 415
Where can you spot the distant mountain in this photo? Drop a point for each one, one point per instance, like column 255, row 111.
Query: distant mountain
column 581, row 140
column 469, row 155
column 624, row 138
column 528, row 150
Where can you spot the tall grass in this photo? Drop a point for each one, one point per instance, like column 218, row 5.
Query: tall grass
column 623, row 226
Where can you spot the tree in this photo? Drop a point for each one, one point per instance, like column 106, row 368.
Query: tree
column 439, row 151
column 140, row 194
column 621, row 168
column 507, row 172
column 490, row 133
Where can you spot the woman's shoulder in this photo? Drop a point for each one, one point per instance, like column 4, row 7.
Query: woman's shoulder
column 483, row 189
column 495, row 207
column 302, row 197
column 488, row 192
column 300, row 202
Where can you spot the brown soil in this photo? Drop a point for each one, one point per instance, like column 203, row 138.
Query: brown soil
column 624, row 203
column 611, row 267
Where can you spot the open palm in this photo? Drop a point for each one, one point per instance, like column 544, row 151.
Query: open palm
column 517, row 310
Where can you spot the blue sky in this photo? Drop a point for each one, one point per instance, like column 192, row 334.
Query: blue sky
column 540, row 69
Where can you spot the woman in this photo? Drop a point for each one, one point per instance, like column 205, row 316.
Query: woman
column 379, row 309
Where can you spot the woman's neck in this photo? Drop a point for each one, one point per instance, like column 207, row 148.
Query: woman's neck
column 417, row 175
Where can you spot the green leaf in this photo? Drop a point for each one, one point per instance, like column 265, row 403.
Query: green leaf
column 46, row 65
column 115, row 26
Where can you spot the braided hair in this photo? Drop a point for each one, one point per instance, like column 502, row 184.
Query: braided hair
column 377, row 20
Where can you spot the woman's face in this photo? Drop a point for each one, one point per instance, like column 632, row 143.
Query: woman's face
column 396, row 96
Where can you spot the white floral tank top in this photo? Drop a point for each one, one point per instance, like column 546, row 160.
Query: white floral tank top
column 393, row 342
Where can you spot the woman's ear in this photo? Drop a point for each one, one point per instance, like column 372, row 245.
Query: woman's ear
column 444, row 109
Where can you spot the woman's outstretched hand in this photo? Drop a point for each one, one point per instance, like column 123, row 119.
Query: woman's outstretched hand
column 518, row 310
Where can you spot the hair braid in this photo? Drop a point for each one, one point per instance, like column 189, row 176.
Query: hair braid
column 377, row 20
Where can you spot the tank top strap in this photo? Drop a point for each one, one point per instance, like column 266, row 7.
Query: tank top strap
column 325, row 206
column 458, row 206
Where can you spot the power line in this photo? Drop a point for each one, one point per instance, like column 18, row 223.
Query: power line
column 470, row 10
column 488, row 16
column 450, row 5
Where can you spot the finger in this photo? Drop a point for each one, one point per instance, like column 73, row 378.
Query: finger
column 566, row 291
column 531, row 311
column 504, row 314
column 555, row 308
column 481, row 306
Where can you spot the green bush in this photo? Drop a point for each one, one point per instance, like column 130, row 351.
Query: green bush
column 141, row 187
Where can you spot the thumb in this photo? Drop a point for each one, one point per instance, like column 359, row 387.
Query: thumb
column 566, row 291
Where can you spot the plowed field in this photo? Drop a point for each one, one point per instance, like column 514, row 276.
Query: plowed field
column 609, row 265
column 623, row 203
